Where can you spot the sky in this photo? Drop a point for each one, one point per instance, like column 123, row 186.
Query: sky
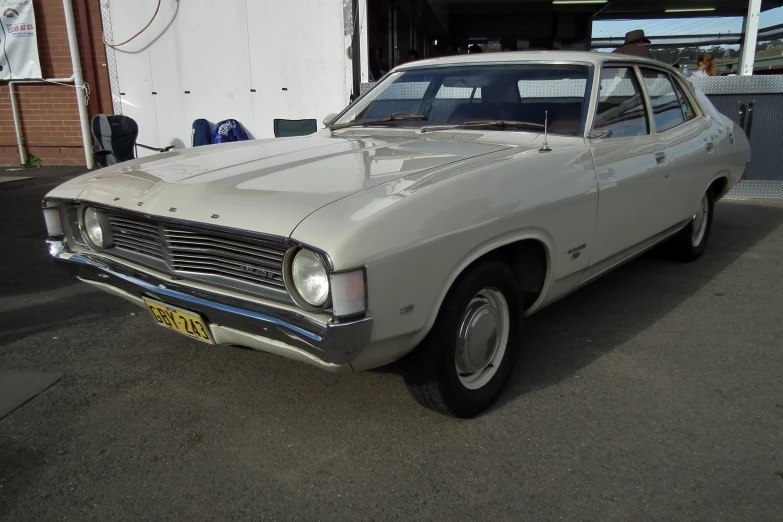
column 683, row 26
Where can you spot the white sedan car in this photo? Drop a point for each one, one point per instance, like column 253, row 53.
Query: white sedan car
column 423, row 224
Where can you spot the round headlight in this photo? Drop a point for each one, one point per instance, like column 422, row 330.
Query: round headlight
column 93, row 228
column 310, row 278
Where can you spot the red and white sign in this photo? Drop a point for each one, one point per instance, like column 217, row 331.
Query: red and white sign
column 18, row 42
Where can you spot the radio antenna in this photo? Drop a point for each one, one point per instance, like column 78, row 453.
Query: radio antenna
column 545, row 146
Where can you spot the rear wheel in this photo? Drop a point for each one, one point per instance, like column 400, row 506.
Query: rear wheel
column 689, row 244
column 462, row 365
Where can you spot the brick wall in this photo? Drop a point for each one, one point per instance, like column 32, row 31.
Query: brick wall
column 49, row 114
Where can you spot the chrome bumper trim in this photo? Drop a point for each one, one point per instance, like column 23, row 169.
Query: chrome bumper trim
column 335, row 344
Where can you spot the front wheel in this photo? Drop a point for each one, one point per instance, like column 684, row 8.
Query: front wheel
column 689, row 244
column 462, row 365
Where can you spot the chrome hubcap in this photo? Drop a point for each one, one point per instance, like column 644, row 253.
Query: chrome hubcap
column 699, row 225
column 482, row 338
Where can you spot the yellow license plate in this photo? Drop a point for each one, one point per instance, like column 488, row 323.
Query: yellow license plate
column 179, row 320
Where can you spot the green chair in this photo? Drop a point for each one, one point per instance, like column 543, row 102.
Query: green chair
column 288, row 128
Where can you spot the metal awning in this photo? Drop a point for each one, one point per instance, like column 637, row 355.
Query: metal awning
column 613, row 9
column 636, row 10
column 764, row 35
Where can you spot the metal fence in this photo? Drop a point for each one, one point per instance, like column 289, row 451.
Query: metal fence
column 756, row 104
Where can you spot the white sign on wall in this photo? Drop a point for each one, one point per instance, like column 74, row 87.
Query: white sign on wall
column 18, row 42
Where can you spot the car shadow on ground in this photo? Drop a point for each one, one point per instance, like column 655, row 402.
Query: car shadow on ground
column 566, row 337
column 35, row 293
column 29, row 269
column 81, row 308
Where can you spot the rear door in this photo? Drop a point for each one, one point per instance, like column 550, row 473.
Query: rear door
column 688, row 138
column 631, row 164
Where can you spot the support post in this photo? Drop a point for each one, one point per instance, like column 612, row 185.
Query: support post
column 78, row 80
column 364, row 47
column 748, row 50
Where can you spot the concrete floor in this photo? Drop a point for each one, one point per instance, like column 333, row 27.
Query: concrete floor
column 655, row 393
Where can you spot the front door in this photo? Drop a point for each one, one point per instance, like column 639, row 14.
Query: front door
column 631, row 164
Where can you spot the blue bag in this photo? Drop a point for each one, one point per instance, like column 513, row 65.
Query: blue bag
column 201, row 134
column 227, row 131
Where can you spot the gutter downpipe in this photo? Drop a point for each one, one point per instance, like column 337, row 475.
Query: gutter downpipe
column 78, row 81
column 15, row 110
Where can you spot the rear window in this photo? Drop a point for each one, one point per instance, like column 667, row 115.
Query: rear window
column 666, row 107
column 553, row 89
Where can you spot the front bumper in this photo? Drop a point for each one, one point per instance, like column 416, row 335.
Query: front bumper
column 232, row 319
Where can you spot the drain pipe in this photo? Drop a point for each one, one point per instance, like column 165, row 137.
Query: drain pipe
column 15, row 110
column 78, row 81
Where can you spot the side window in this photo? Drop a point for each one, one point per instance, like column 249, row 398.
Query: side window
column 621, row 110
column 666, row 107
column 687, row 110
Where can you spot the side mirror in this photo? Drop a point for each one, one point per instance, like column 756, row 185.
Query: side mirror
column 329, row 118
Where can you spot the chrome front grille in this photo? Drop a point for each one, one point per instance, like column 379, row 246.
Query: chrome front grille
column 199, row 252
column 138, row 236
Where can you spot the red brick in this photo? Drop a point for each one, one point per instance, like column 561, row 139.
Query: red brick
column 49, row 114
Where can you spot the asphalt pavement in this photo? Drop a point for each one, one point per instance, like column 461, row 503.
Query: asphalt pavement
column 655, row 393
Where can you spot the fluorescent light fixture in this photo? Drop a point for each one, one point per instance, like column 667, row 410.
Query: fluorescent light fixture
column 690, row 10
column 572, row 2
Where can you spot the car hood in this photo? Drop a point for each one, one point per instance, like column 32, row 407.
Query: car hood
column 267, row 186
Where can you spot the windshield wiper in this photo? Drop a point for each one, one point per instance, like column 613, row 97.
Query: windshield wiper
column 397, row 116
column 503, row 124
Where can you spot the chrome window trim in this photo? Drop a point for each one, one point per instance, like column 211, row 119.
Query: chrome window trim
column 412, row 66
column 670, row 77
column 620, row 64
column 686, row 89
column 681, row 80
column 651, row 126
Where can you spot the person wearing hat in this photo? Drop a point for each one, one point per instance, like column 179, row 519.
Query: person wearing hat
column 634, row 44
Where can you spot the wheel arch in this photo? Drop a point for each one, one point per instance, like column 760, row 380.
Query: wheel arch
column 719, row 185
column 516, row 249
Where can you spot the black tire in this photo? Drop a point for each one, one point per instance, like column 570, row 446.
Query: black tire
column 430, row 371
column 681, row 247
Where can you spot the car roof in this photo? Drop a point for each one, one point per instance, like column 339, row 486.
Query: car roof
column 587, row 57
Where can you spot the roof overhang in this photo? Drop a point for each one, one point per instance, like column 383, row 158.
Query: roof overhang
column 612, row 9
column 633, row 9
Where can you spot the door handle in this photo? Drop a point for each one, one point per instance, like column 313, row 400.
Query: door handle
column 709, row 146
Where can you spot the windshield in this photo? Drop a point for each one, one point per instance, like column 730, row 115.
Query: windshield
column 503, row 97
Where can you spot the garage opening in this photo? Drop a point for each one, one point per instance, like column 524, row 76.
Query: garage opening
column 401, row 30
